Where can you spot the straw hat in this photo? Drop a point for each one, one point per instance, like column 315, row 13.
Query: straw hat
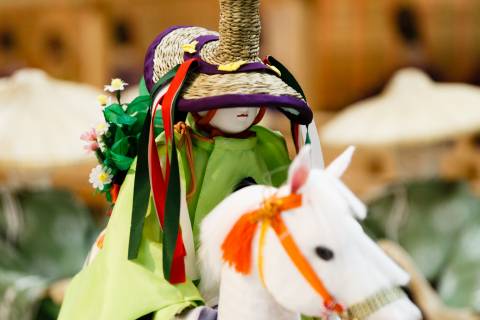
column 192, row 69
column 412, row 111
column 229, row 72
column 41, row 120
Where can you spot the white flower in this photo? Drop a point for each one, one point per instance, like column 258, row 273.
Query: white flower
column 101, row 128
column 100, row 176
column 103, row 100
column 116, row 85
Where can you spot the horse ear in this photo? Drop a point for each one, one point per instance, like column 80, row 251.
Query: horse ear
column 299, row 169
column 338, row 167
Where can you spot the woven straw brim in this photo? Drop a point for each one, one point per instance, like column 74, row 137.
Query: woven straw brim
column 168, row 52
column 202, row 85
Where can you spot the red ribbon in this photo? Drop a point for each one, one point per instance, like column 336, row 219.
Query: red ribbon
column 159, row 182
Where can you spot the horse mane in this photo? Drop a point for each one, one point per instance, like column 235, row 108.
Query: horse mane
column 215, row 227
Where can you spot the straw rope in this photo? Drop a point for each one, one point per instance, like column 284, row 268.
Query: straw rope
column 239, row 38
column 201, row 85
column 209, row 54
column 239, row 30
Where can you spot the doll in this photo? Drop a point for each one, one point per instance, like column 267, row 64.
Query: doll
column 210, row 90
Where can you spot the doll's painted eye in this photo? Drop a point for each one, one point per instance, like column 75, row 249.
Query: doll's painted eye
column 324, row 253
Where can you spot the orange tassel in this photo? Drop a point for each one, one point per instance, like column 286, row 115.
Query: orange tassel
column 237, row 246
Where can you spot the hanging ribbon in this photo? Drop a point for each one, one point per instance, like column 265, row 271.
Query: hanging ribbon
column 166, row 189
column 309, row 137
column 141, row 189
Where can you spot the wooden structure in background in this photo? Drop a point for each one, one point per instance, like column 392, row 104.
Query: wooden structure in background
column 90, row 40
column 341, row 51
column 359, row 44
column 68, row 41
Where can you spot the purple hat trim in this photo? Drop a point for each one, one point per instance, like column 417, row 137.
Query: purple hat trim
column 150, row 55
column 304, row 115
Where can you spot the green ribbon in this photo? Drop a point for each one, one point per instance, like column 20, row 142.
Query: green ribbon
column 290, row 80
column 142, row 187
column 173, row 198
column 286, row 76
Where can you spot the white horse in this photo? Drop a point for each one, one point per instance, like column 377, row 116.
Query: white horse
column 308, row 254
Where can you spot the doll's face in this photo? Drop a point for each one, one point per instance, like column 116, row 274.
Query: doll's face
column 233, row 120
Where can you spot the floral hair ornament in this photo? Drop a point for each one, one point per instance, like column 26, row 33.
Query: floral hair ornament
column 190, row 70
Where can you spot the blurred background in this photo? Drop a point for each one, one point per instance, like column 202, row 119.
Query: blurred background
column 397, row 78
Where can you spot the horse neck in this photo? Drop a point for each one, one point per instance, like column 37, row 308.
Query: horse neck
column 244, row 297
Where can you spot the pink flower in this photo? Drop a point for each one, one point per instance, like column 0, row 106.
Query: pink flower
column 89, row 136
column 91, row 147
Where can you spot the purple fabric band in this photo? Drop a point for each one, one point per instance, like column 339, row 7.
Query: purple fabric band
column 150, row 55
column 304, row 115
column 203, row 40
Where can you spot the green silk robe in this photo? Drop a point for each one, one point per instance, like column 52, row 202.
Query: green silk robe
column 113, row 287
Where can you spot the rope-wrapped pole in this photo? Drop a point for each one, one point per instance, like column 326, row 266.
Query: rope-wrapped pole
column 239, row 31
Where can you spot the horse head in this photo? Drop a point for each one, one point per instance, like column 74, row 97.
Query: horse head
column 303, row 243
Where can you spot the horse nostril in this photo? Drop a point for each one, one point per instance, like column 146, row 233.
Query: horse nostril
column 324, row 253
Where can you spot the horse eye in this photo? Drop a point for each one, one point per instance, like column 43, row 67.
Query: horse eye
column 324, row 253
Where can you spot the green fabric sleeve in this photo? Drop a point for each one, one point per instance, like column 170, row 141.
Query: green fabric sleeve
column 273, row 148
column 113, row 287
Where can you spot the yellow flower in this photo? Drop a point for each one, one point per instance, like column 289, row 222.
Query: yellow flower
column 190, row 47
column 102, row 100
column 234, row 66
column 116, row 85
column 101, row 128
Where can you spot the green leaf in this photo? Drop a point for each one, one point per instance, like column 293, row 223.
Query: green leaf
column 138, row 108
column 142, row 87
column 115, row 114
column 121, row 146
column 119, row 134
column 139, row 104
column 120, row 161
